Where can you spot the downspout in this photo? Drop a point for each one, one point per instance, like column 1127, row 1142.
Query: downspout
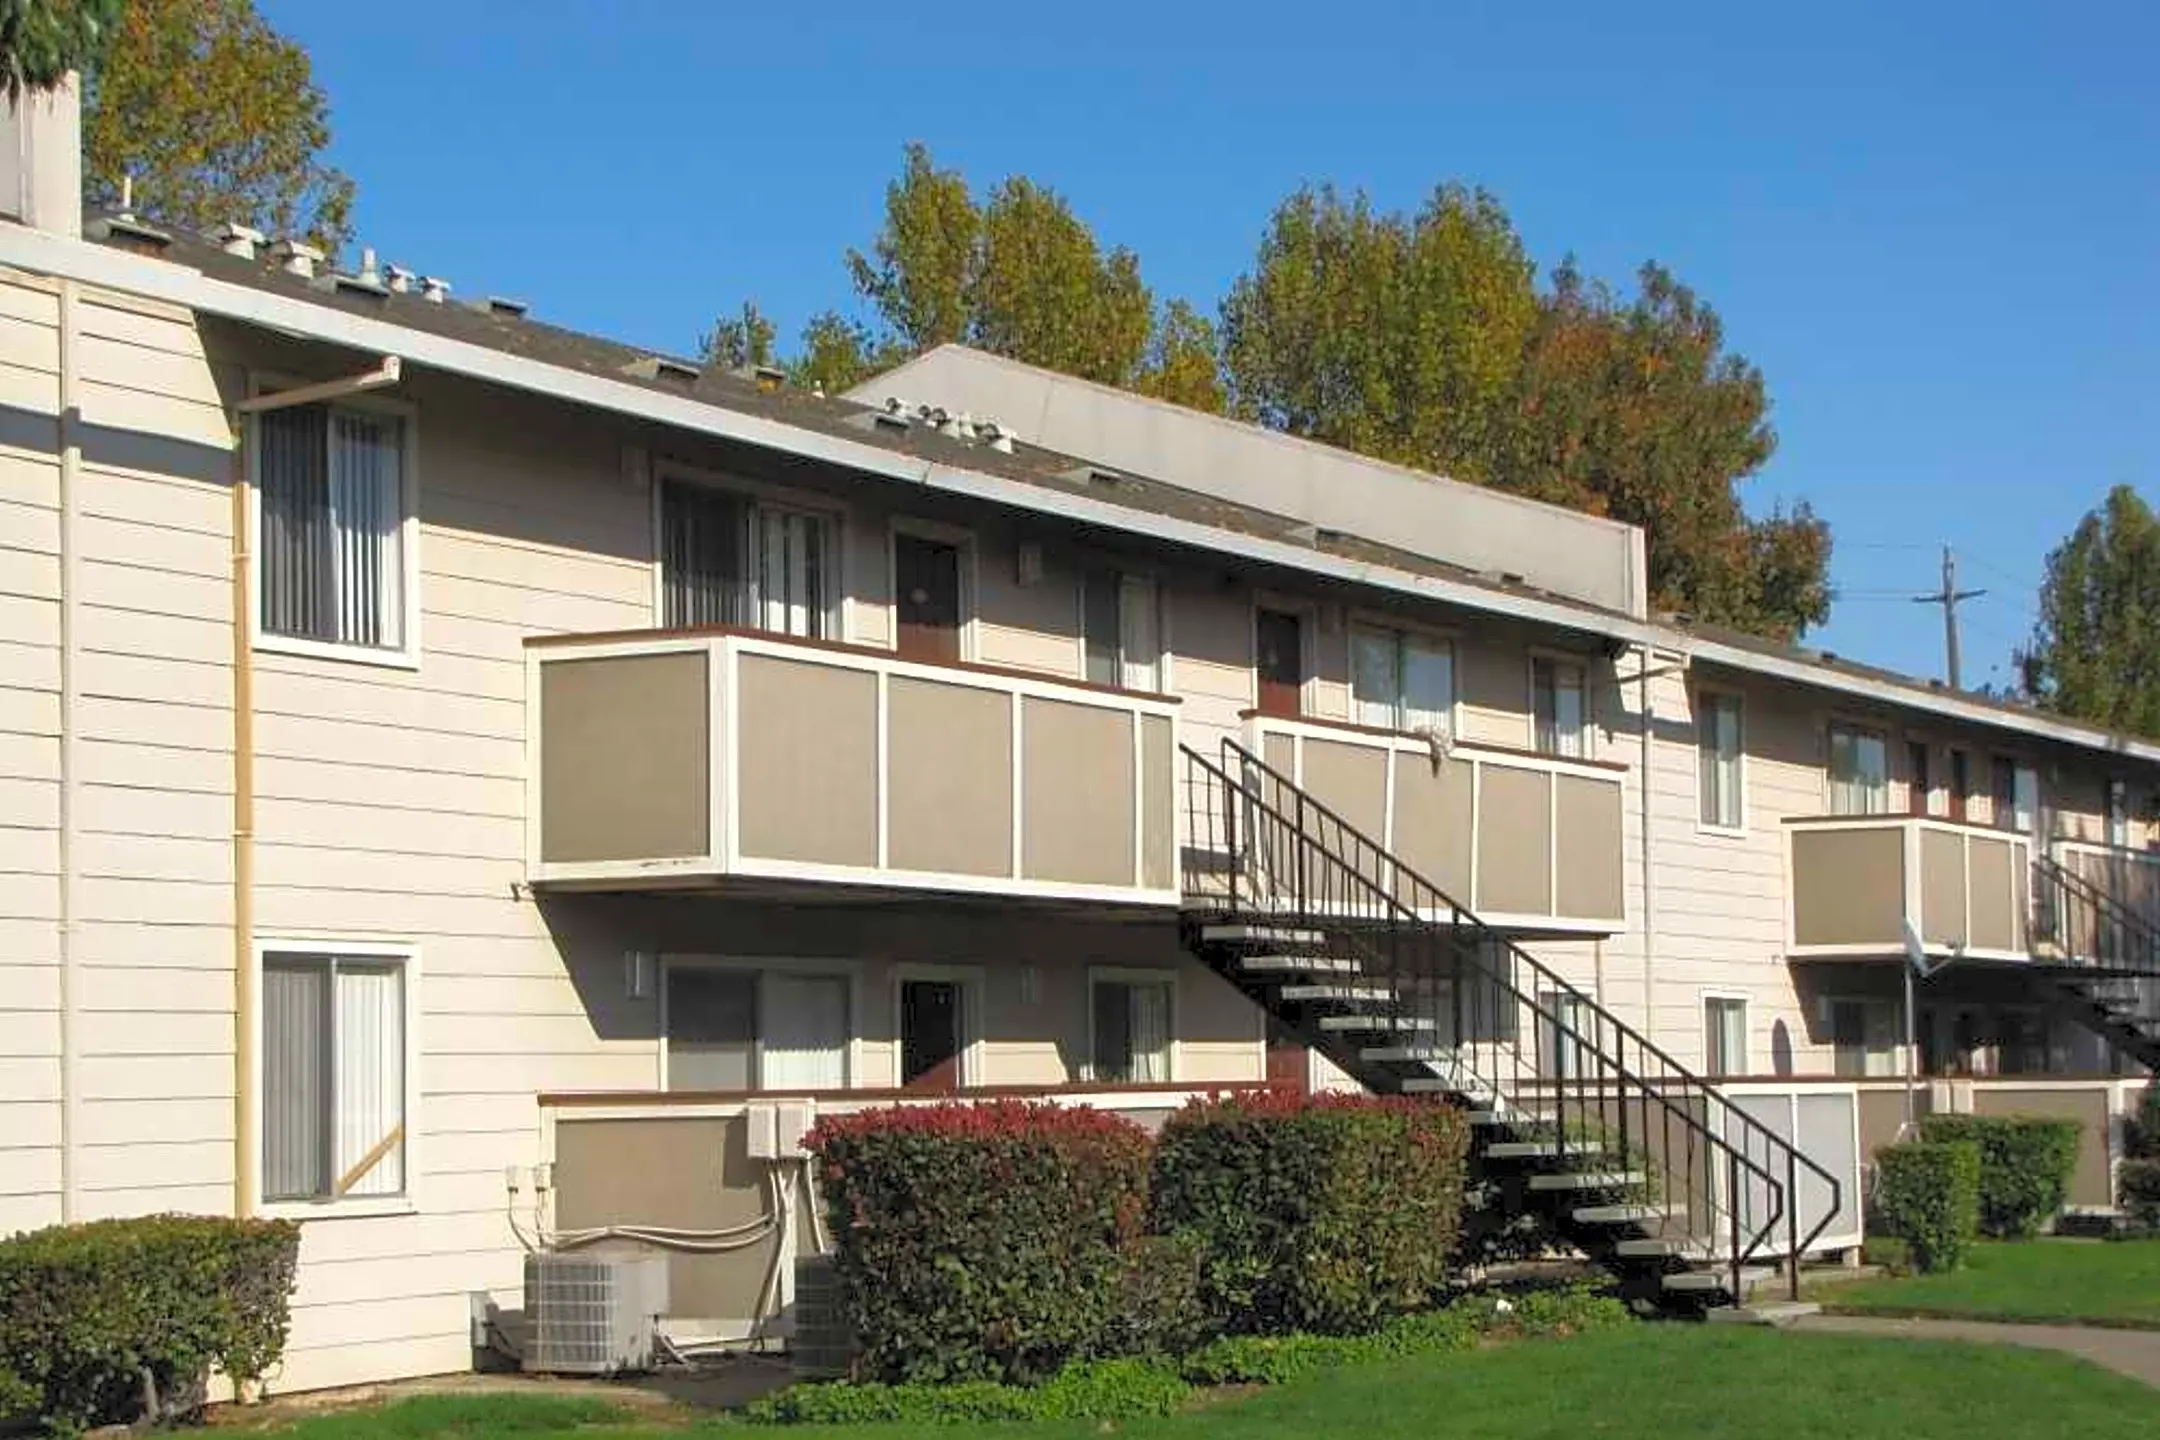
column 70, row 813
column 1649, row 897
column 245, row 984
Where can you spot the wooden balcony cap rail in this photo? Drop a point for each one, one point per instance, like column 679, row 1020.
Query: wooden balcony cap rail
column 663, row 1099
column 1476, row 747
column 835, row 647
column 1889, row 818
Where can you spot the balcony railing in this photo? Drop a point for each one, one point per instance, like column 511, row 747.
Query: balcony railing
column 1857, row 883
column 674, row 758
column 1533, row 843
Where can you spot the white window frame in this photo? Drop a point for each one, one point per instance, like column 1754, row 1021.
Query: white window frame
column 1542, row 655
column 974, row 1046
column 2117, row 818
column 406, row 956
column 1165, row 685
column 838, row 613
column 1711, row 694
column 406, row 654
column 1829, row 773
column 1746, row 1002
column 1436, row 637
column 970, row 548
column 804, row 968
column 1167, row 976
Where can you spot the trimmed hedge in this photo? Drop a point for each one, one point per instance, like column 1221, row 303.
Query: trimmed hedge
column 123, row 1320
column 2139, row 1181
column 1326, row 1213
column 1102, row 1390
column 1927, row 1193
column 2142, row 1139
column 2025, row 1166
column 980, row 1242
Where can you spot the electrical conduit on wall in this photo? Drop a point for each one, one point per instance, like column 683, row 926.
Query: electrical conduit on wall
column 243, row 837
column 70, row 438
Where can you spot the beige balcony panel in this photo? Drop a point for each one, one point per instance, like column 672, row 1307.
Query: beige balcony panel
column 807, row 742
column 1848, row 887
column 1432, row 823
column 950, row 806
column 1942, row 888
column 1514, row 842
column 1078, row 799
column 1158, row 817
column 1589, row 848
column 624, row 772
column 1350, row 780
column 676, row 1172
column 1996, row 893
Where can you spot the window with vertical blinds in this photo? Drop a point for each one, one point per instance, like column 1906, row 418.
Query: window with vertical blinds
column 1401, row 681
column 1559, row 707
column 729, row 559
column 1131, row 1029
column 1121, row 626
column 749, row 1028
column 333, row 1077
column 332, row 541
column 1725, row 1047
column 1717, row 754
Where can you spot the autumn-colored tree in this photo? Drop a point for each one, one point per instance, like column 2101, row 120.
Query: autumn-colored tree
column 216, row 118
column 1183, row 364
column 2095, row 652
column 744, row 338
column 42, row 40
column 1045, row 293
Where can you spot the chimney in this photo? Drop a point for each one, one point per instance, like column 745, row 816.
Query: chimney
column 41, row 158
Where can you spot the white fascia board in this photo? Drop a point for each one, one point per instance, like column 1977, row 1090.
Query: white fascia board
column 181, row 285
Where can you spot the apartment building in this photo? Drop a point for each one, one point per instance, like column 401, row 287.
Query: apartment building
column 436, row 745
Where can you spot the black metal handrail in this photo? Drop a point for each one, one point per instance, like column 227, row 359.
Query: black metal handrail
column 2090, row 926
column 1454, row 978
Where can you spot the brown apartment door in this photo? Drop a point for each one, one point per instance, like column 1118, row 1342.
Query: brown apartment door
column 1288, row 1064
column 1279, row 657
column 926, row 592
column 932, row 1035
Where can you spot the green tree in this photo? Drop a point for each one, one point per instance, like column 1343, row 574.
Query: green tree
column 2095, row 651
column 1633, row 408
column 744, row 338
column 837, row 354
column 217, row 118
column 1184, row 362
column 1397, row 336
column 41, row 40
column 1045, row 293
column 922, row 265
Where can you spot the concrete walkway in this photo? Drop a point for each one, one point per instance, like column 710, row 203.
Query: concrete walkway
column 2135, row 1353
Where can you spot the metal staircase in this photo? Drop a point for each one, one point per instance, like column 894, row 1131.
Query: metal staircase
column 2099, row 959
column 1686, row 1199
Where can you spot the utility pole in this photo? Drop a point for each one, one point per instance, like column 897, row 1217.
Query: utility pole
column 1948, row 597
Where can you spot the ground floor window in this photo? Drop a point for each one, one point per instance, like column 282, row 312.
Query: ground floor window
column 1569, row 1035
column 333, row 1074
column 1725, row 1037
column 1130, row 1018
column 1864, row 1034
column 733, row 1027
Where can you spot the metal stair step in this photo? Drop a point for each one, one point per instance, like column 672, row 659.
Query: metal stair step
column 1376, row 1024
column 1589, row 1180
column 1248, row 934
column 1510, row 1119
column 1697, row 1251
column 1718, row 1281
column 1299, row 965
column 1623, row 1214
column 1406, row 1055
column 1441, row 1085
column 1338, row 993
column 1543, row 1149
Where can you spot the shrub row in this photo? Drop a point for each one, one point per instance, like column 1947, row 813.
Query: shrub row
column 1326, row 1213
column 1002, row 1242
column 2025, row 1167
column 2139, row 1182
column 1110, row 1391
column 123, row 1320
column 1927, row 1194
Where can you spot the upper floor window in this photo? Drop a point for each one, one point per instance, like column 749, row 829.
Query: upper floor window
column 1129, row 1016
column 731, row 559
column 335, row 526
column 1400, row 680
column 333, row 1075
column 1960, row 785
column 1559, row 706
column 1718, row 750
column 1859, row 771
column 2118, row 814
column 1121, row 630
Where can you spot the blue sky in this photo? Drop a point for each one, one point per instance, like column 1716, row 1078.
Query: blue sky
column 1935, row 226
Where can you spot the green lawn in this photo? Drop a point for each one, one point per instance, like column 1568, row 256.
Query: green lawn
column 2115, row 1283
column 1645, row 1381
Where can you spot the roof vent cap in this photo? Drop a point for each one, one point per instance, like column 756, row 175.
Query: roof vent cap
column 296, row 257
column 434, row 289
column 241, row 240
column 399, row 279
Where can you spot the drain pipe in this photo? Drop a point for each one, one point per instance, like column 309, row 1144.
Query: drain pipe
column 246, row 983
column 1649, row 894
column 70, row 813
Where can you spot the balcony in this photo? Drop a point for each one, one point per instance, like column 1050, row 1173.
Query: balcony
column 1855, row 883
column 1530, row 843
column 683, row 758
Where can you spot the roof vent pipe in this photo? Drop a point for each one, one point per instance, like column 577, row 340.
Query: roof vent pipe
column 370, row 272
column 241, row 240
